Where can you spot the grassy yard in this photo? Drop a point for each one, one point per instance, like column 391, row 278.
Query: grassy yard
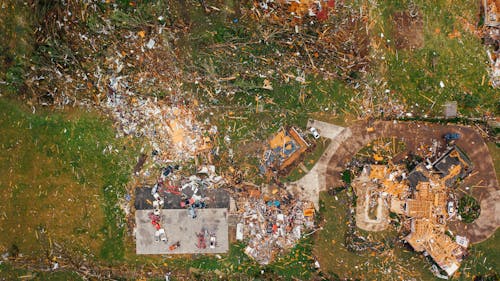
column 235, row 265
column 63, row 175
column 297, row 264
column 484, row 258
column 450, row 52
column 9, row 273
column 16, row 45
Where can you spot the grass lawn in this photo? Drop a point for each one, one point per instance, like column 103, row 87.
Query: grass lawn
column 58, row 183
column 16, row 46
column 236, row 265
column 450, row 53
column 9, row 273
column 484, row 258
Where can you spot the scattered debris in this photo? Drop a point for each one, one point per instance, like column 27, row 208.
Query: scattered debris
column 297, row 10
column 283, row 150
column 492, row 39
column 172, row 131
column 174, row 246
column 273, row 224
column 425, row 198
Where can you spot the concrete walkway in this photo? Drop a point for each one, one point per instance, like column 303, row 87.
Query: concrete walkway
column 325, row 129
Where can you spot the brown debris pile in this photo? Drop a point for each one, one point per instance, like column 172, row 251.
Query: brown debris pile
column 78, row 62
column 492, row 38
column 172, row 131
column 127, row 68
column 272, row 224
column 297, row 11
column 325, row 37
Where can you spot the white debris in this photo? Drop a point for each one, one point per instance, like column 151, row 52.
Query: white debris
column 151, row 43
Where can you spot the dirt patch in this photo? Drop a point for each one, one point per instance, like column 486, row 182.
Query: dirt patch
column 408, row 30
column 371, row 212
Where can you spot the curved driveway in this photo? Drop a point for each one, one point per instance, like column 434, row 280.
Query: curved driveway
column 483, row 180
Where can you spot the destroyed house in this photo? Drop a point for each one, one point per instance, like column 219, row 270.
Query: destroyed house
column 444, row 251
column 427, row 208
column 181, row 214
column 419, row 174
column 421, row 230
column 284, row 149
column 418, row 208
column 423, row 197
column 453, row 165
column 390, row 178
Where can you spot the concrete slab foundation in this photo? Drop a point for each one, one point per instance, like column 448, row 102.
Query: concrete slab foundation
column 180, row 227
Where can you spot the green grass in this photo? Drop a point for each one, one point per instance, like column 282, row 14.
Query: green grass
column 16, row 45
column 484, row 258
column 298, row 264
column 236, row 265
column 56, row 163
column 9, row 273
column 459, row 62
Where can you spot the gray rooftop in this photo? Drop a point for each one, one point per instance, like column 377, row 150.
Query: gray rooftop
column 214, row 198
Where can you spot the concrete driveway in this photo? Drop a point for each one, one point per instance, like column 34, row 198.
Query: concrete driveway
column 309, row 186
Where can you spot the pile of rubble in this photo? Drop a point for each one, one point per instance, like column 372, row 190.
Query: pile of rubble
column 127, row 79
column 298, row 9
column 424, row 197
column 492, row 38
column 174, row 189
column 173, row 132
column 283, row 150
column 273, row 225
